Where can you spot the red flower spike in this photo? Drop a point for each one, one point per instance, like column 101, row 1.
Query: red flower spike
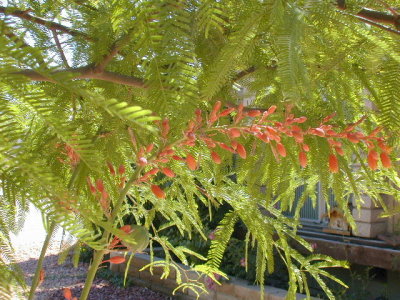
column 300, row 120
column 281, row 149
column 42, row 275
column 333, row 163
column 330, row 132
column 100, row 185
column 385, row 159
column 190, row 126
column 384, row 147
column 234, row 144
column 121, row 170
column 142, row 150
column 168, row 172
column 199, row 118
column 213, row 115
column 216, row 107
column 372, row 163
column 167, row 152
column 111, row 168
column 176, row 157
column 104, row 196
column 191, row 162
column 210, row 143
column 318, row 131
column 165, row 128
column 253, row 113
column 241, row 150
column 264, row 137
column 115, row 260
column 67, row 293
column 271, row 110
column 226, row 112
column 375, row 131
column 339, row 150
column 226, row 147
column 149, row 148
column 144, row 178
column 298, row 136
column 239, row 115
column 215, row 157
column 91, row 186
column 157, row 191
column 305, row 147
column 152, row 172
column 328, row 118
column 303, row 159
column 373, row 154
column 234, row 132
column 142, row 161
column 114, row 243
column 126, row 228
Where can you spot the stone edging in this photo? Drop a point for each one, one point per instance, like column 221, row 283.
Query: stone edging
column 234, row 289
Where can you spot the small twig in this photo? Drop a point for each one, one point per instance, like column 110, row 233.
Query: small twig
column 21, row 43
column 87, row 72
column 114, row 49
column 80, row 2
column 58, row 44
column 12, row 11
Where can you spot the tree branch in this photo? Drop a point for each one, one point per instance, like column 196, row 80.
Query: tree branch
column 12, row 11
column 373, row 15
column 114, row 49
column 378, row 25
column 250, row 70
column 21, row 43
column 244, row 73
column 87, row 72
column 60, row 49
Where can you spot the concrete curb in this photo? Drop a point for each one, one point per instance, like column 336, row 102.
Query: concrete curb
column 234, row 289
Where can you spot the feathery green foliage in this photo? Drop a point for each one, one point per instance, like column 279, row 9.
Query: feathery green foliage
column 86, row 83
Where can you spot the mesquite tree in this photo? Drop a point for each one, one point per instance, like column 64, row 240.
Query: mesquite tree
column 115, row 109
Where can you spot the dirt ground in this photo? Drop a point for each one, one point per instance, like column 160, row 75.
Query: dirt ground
column 27, row 245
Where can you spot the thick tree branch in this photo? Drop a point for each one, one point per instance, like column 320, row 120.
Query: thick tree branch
column 244, row 73
column 373, row 15
column 250, row 70
column 12, row 11
column 378, row 25
column 60, row 49
column 87, row 72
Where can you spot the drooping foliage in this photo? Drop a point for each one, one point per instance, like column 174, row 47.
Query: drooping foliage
column 86, row 87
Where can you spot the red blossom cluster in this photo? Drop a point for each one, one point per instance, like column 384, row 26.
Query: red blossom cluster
column 116, row 240
column 69, row 152
column 206, row 129
column 68, row 294
column 272, row 133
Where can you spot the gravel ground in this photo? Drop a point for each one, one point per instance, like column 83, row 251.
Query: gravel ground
column 28, row 245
